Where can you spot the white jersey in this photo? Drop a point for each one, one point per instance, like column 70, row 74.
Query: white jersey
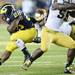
column 66, row 28
column 58, row 1
column 38, row 28
column 69, row 1
column 54, row 21
column 72, row 1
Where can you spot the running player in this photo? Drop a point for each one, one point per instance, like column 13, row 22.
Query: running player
column 21, row 29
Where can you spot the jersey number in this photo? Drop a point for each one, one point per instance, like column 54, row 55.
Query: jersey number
column 61, row 14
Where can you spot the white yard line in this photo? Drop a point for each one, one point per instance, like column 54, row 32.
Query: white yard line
column 35, row 63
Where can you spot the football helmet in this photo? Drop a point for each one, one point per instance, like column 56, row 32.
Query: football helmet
column 7, row 9
column 40, row 14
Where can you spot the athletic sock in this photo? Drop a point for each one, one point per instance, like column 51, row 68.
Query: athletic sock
column 26, row 52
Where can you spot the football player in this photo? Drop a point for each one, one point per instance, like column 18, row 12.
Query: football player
column 71, row 52
column 51, row 32
column 40, row 16
column 66, row 26
column 21, row 29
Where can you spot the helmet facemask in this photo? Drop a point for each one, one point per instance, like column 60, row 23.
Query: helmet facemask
column 41, row 16
column 7, row 10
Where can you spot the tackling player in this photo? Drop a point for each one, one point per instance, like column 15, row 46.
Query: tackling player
column 41, row 17
column 71, row 52
column 21, row 29
column 64, row 28
column 51, row 33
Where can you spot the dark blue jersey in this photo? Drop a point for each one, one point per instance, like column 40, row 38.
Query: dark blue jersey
column 26, row 22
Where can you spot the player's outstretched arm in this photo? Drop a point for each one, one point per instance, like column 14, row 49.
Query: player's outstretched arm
column 65, row 6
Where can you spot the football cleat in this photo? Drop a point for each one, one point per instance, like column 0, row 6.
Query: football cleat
column 27, row 64
column 67, row 71
column 37, row 40
column 7, row 9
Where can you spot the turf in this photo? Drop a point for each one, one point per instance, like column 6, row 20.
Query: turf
column 51, row 63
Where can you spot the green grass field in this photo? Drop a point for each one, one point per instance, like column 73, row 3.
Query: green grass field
column 51, row 63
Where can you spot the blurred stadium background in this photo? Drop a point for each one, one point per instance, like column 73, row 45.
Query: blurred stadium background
column 51, row 63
